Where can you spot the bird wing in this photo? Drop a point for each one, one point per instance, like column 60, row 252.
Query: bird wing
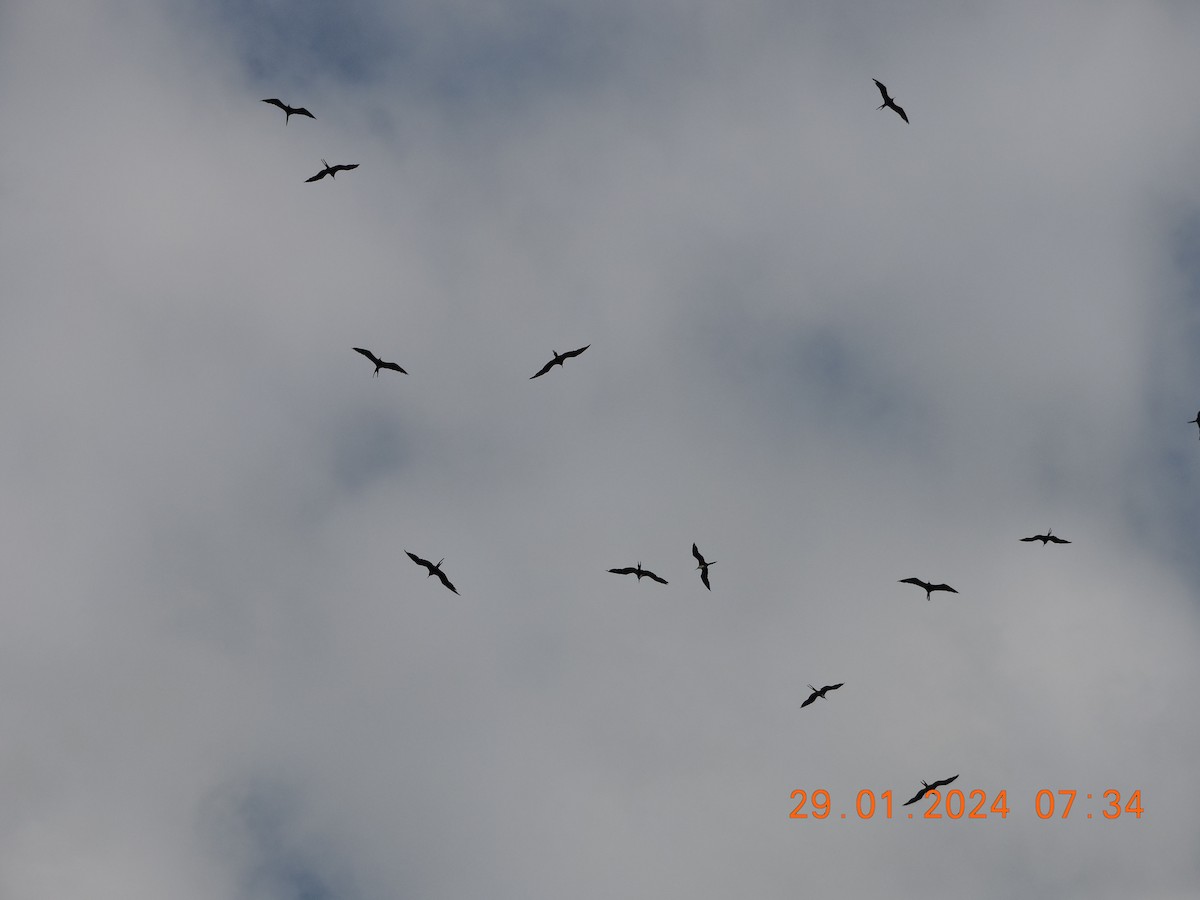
column 628, row 570
column 275, row 101
column 882, row 89
column 1058, row 540
column 833, row 687
column 544, row 369
column 899, row 109
column 343, row 167
column 649, row 574
column 696, row 553
column 420, row 562
column 375, row 359
column 704, row 578
column 944, row 781
column 318, row 176
column 917, row 581
column 811, row 698
column 391, row 365
column 1034, row 538
column 570, row 353
column 446, row 581
column 921, row 793
column 942, row 587
column 302, row 112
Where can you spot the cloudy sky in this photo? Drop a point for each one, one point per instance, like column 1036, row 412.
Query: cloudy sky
column 832, row 349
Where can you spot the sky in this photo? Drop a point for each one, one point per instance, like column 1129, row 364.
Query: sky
column 832, row 349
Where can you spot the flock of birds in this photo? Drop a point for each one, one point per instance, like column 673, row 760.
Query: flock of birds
column 703, row 565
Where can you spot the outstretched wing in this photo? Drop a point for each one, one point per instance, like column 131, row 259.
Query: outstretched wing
column 301, row 111
column 343, row 167
column 1058, row 540
column 446, row 581
column 392, row 366
column 1034, row 538
column 917, row 581
column 944, row 781
column 696, row 553
column 275, row 101
column 942, row 587
column 420, row 562
column 899, row 109
column 921, row 793
column 833, row 687
column 811, row 698
column 654, row 577
column 375, row 359
column 318, row 176
column 544, row 369
column 571, row 353
column 882, row 90
column 704, row 578
column 628, row 570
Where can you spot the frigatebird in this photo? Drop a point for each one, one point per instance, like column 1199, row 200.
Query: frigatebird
column 639, row 572
column 1196, row 421
column 379, row 363
column 290, row 110
column 929, row 588
column 433, row 569
column 558, row 360
column 331, row 171
column 821, row 693
column 1047, row 537
column 703, row 567
column 929, row 787
column 888, row 101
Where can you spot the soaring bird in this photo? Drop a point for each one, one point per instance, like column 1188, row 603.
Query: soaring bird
column 1195, row 421
column 821, row 693
column 929, row 588
column 1047, row 537
column 639, row 572
column 703, row 567
column 557, row 361
column 331, row 171
column 888, row 101
column 290, row 110
column 433, row 569
column 929, row 787
column 379, row 363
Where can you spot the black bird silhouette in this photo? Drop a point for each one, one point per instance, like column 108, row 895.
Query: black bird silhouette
column 290, row 110
column 1196, row 421
column 888, row 101
column 1047, row 537
column 379, row 363
column 929, row 787
column 331, row 171
column 703, row 567
column 639, row 572
column 433, row 569
column 929, row 588
column 557, row 361
column 821, row 693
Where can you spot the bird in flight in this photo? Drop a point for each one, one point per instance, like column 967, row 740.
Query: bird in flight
column 331, row 171
column 888, row 101
column 379, row 363
column 639, row 572
column 929, row 588
column 433, row 569
column 1195, row 421
column 1047, row 537
column 929, row 787
column 703, row 567
column 290, row 110
column 821, row 693
column 557, row 361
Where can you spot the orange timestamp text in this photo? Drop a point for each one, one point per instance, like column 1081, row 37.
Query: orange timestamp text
column 956, row 804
